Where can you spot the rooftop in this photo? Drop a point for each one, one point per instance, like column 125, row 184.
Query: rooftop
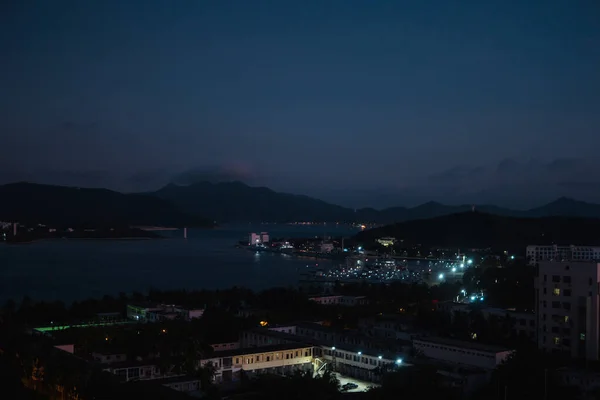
column 263, row 349
column 463, row 344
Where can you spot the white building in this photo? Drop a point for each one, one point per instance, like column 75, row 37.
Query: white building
column 326, row 247
column 471, row 354
column 255, row 239
column 355, row 358
column 264, row 237
column 280, row 359
column 536, row 253
column 567, row 305
column 348, row 301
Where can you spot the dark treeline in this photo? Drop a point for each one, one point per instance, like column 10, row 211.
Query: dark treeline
column 480, row 230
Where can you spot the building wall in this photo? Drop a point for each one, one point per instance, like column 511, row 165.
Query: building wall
column 228, row 367
column 536, row 253
column 143, row 372
column 109, row 358
column 461, row 355
column 187, row 386
column 567, row 308
column 225, row 346
column 69, row 348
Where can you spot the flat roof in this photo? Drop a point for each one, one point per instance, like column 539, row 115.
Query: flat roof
column 176, row 379
column 90, row 325
column 130, row 364
column 462, row 344
column 262, row 349
column 352, row 348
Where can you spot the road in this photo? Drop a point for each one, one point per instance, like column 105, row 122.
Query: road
column 362, row 385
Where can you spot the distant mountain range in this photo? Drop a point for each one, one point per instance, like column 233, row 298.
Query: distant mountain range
column 482, row 230
column 76, row 207
column 236, row 201
column 201, row 203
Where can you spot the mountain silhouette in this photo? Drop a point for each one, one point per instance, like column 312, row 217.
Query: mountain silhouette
column 236, row 201
column 71, row 206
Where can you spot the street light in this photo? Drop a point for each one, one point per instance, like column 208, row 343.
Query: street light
column 360, row 353
column 399, row 361
column 441, row 276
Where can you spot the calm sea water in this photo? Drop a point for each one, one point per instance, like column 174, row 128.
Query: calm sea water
column 71, row 270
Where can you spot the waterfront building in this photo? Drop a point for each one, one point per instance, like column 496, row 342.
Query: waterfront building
column 536, row 253
column 567, row 302
column 255, row 239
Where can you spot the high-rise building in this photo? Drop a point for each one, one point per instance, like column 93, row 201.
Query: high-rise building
column 536, row 253
column 567, row 307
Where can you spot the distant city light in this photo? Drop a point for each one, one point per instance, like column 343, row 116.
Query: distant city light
column 512, row 257
column 333, row 348
column 360, row 353
column 454, row 269
column 472, row 298
column 399, row 361
column 462, row 265
column 380, row 357
column 441, row 276
column 469, row 261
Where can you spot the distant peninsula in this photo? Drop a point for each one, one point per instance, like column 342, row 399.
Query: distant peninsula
column 30, row 235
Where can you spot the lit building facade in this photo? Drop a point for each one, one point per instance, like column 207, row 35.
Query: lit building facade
column 536, row 253
column 567, row 302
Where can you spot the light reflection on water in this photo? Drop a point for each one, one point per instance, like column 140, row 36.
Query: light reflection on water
column 77, row 269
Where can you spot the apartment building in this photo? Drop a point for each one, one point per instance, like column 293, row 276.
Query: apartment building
column 281, row 359
column 567, row 302
column 466, row 353
column 536, row 253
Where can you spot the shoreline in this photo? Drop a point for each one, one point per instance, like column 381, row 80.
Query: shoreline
column 67, row 238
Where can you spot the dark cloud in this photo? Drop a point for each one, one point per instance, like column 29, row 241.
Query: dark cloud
column 225, row 173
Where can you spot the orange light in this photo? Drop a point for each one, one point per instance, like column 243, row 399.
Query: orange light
column 264, row 323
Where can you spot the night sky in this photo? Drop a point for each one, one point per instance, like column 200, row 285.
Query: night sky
column 374, row 103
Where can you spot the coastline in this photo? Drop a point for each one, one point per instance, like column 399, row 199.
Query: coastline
column 10, row 242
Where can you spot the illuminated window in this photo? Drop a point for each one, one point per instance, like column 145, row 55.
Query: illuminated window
column 556, row 340
column 566, row 318
column 556, row 292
